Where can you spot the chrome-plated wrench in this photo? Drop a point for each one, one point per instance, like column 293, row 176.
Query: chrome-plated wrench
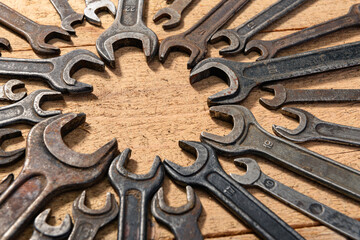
column 95, row 6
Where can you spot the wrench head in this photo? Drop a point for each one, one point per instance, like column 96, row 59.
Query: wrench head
column 39, row 39
column 5, row 44
column 93, row 8
column 278, row 100
column 6, row 182
column 47, row 230
column 264, row 48
column 170, row 13
column 236, row 43
column 12, row 85
column 12, row 156
column 253, row 171
column 71, row 20
column 161, row 204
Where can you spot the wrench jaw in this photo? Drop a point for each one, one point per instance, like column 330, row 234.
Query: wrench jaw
column 5, row 44
column 253, row 171
column 12, row 85
column 279, row 98
column 38, row 98
column 355, row 9
column 236, row 44
column 12, row 156
column 6, row 182
column 161, row 205
column 261, row 47
column 92, row 9
column 71, row 20
column 173, row 16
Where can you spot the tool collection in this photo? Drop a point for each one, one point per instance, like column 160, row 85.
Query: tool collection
column 51, row 167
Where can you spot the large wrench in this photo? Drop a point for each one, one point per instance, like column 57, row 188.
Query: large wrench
column 67, row 15
column 5, row 44
column 7, row 158
column 173, row 12
column 95, row 6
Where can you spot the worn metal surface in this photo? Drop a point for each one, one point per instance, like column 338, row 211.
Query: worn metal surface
column 93, row 7
column 6, row 182
column 6, row 91
column 67, row 15
column 11, row 156
column 5, row 44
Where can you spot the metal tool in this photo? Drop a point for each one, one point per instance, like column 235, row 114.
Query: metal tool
column 335, row 220
column 37, row 35
column 50, row 168
column 195, row 39
column 268, row 49
column 182, row 221
column 135, row 192
column 67, row 15
column 44, row 231
column 128, row 29
column 10, row 157
column 5, row 44
column 55, row 71
column 239, row 36
column 89, row 221
column 248, row 136
column 242, row 77
column 6, row 90
column 6, row 182
column 173, row 12
column 207, row 173
column 93, row 7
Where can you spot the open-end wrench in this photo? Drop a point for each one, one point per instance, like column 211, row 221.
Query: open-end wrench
column 183, row 220
column 95, row 6
column 194, row 41
column 239, row 36
column 243, row 77
column 67, row 15
column 55, row 71
column 248, row 136
column 5, row 44
column 207, row 173
column 6, row 91
column 135, row 192
column 268, row 49
column 44, row 231
column 50, row 168
column 128, row 29
column 37, row 35
column 6, row 182
column 89, row 221
column 335, row 220
column 12, row 156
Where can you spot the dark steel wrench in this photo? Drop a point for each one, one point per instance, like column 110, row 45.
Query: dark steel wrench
column 239, row 36
column 335, row 220
column 67, row 15
column 5, row 44
column 207, row 173
column 268, row 49
column 243, row 77
column 95, row 6
column 135, row 192
column 248, row 136
column 89, row 221
column 173, row 12
column 194, row 41
column 6, row 91
column 183, row 220
column 37, row 35
column 50, row 168
column 6, row 182
column 7, row 158
column 127, row 29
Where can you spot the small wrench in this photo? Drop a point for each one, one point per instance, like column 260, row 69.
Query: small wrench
column 239, row 36
column 268, row 49
column 7, row 158
column 89, row 221
column 128, row 29
column 182, row 221
column 135, row 192
column 5, row 44
column 207, row 173
column 95, row 6
column 6, row 91
column 194, row 41
column 67, row 15
column 335, row 220
column 248, row 136
column 6, row 182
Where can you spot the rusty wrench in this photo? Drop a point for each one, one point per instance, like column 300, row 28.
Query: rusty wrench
column 12, row 156
column 173, row 12
column 95, row 6
column 6, row 182
column 6, row 91
column 5, row 44
column 68, row 16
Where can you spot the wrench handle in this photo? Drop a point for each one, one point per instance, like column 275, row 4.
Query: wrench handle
column 23, row 67
column 83, row 230
column 63, row 8
column 130, row 12
column 180, row 5
column 322, row 95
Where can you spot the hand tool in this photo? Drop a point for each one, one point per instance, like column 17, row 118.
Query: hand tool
column 6, row 182
column 285, row 96
column 335, row 220
column 6, row 91
column 182, row 221
column 44, row 231
column 5, row 44
column 67, row 15
column 50, row 168
column 89, row 221
column 173, row 12
column 37, row 35
column 248, row 136
column 268, row 49
column 194, row 40
column 55, row 71
column 7, row 158
column 239, row 36
column 243, row 77
column 135, row 192
column 95, row 6
column 207, row 173
column 128, row 29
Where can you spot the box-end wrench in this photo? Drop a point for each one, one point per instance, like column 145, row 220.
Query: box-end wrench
column 67, row 15
column 194, row 41
column 50, row 168
column 268, row 49
column 207, row 173
column 135, row 192
column 247, row 136
column 93, row 7
column 239, row 36
column 6, row 91
column 6, row 182
column 10, row 157
column 335, row 220
column 243, row 77
column 5, row 44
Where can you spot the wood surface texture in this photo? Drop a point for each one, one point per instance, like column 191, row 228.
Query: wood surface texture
column 150, row 107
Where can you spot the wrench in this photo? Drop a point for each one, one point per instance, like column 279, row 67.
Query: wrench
column 127, row 29
column 55, row 71
column 195, row 39
column 268, row 49
column 95, row 6
column 37, row 35
column 50, row 168
column 6, row 91
column 248, row 136
column 243, row 77
column 7, row 158
column 67, row 15
column 135, row 192
column 182, row 221
column 44, row 231
column 6, row 182
column 5, row 44
column 207, row 173
column 239, row 36
column 89, row 221
column 335, row 220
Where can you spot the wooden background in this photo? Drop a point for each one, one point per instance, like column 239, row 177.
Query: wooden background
column 149, row 107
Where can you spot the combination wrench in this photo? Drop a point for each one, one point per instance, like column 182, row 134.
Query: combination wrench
column 67, row 15
column 173, row 12
column 6, row 91
column 95, row 6
column 5, row 44
column 10, row 157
